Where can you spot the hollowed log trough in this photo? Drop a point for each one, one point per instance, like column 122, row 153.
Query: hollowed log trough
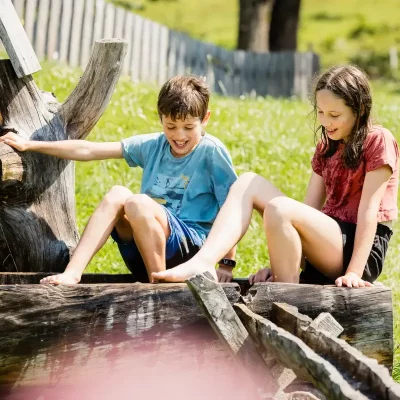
column 107, row 326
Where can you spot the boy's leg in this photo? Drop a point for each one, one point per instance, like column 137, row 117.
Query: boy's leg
column 150, row 229
column 249, row 192
column 96, row 233
column 294, row 229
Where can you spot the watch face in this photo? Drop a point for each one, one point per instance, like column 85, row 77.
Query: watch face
column 227, row 261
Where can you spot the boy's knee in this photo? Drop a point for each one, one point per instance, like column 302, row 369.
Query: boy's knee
column 117, row 195
column 138, row 206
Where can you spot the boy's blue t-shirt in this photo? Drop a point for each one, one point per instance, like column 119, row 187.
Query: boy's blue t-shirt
column 193, row 187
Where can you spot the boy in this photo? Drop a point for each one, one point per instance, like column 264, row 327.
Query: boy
column 186, row 178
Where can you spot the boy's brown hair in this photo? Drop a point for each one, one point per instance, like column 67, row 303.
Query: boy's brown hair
column 182, row 96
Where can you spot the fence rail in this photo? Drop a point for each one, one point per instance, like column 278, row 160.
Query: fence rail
column 65, row 30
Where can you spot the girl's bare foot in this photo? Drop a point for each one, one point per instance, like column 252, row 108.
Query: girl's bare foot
column 184, row 271
column 66, row 278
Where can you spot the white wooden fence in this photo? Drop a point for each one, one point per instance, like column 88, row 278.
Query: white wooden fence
column 65, row 30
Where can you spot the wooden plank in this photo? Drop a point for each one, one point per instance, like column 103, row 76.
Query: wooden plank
column 119, row 23
column 173, row 48
column 373, row 335
column 76, row 34
column 155, row 30
column 41, row 30
column 66, row 23
column 163, row 57
column 128, row 36
column 19, row 8
column 144, row 74
column 30, row 19
column 87, row 33
column 137, row 47
column 364, row 373
column 53, row 50
column 295, row 354
column 218, row 311
column 44, row 325
column 16, row 42
column 238, row 71
column 109, row 21
column 98, row 20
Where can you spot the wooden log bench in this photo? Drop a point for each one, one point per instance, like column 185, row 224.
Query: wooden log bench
column 50, row 332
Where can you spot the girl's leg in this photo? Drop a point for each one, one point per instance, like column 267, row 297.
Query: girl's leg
column 96, row 233
column 249, row 192
column 293, row 229
column 150, row 229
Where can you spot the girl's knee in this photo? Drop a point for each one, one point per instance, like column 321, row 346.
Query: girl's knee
column 279, row 210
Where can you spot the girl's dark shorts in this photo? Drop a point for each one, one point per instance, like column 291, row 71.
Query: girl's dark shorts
column 374, row 265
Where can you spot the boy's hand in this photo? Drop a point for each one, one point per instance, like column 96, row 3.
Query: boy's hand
column 224, row 274
column 263, row 275
column 351, row 279
column 15, row 141
column 66, row 278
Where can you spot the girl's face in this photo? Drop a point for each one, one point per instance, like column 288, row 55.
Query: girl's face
column 334, row 115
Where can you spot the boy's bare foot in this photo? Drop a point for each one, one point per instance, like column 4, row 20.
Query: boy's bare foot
column 184, row 271
column 66, row 278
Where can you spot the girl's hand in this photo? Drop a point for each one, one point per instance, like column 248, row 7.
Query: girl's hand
column 15, row 141
column 263, row 275
column 351, row 279
column 224, row 274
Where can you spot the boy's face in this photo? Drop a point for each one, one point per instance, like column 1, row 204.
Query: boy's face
column 183, row 135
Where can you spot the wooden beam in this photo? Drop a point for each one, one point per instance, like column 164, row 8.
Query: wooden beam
column 220, row 314
column 366, row 315
column 87, row 328
column 364, row 373
column 295, row 354
column 16, row 42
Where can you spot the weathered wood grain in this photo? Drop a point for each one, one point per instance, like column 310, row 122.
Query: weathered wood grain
column 220, row 314
column 37, row 199
column 16, row 42
column 366, row 315
column 363, row 373
column 295, row 354
column 48, row 331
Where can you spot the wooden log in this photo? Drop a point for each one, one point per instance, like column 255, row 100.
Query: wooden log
column 220, row 314
column 16, row 42
column 364, row 373
column 295, row 354
column 50, row 331
column 37, row 217
column 366, row 315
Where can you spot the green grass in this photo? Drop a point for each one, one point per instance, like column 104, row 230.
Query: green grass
column 337, row 31
column 271, row 137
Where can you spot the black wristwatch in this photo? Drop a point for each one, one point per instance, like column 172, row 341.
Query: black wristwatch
column 228, row 262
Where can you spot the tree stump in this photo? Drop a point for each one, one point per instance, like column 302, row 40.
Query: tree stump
column 37, row 195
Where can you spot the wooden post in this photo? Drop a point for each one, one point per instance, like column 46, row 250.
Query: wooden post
column 16, row 42
column 37, row 217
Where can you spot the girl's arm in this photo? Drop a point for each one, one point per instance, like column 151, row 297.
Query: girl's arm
column 316, row 193
column 373, row 191
column 78, row 150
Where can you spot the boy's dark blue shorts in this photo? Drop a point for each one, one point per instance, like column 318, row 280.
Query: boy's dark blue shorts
column 374, row 265
column 183, row 243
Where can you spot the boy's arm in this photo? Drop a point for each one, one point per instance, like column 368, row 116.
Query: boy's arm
column 78, row 150
column 225, row 272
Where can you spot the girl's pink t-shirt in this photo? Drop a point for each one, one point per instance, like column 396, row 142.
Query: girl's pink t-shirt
column 344, row 185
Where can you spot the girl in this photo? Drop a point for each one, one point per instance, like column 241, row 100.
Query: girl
column 341, row 232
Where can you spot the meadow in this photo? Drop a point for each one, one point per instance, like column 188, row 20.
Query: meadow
column 272, row 137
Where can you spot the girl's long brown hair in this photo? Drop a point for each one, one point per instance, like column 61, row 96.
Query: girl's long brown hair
column 350, row 84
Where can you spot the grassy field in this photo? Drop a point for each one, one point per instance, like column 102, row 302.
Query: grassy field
column 271, row 137
column 364, row 29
